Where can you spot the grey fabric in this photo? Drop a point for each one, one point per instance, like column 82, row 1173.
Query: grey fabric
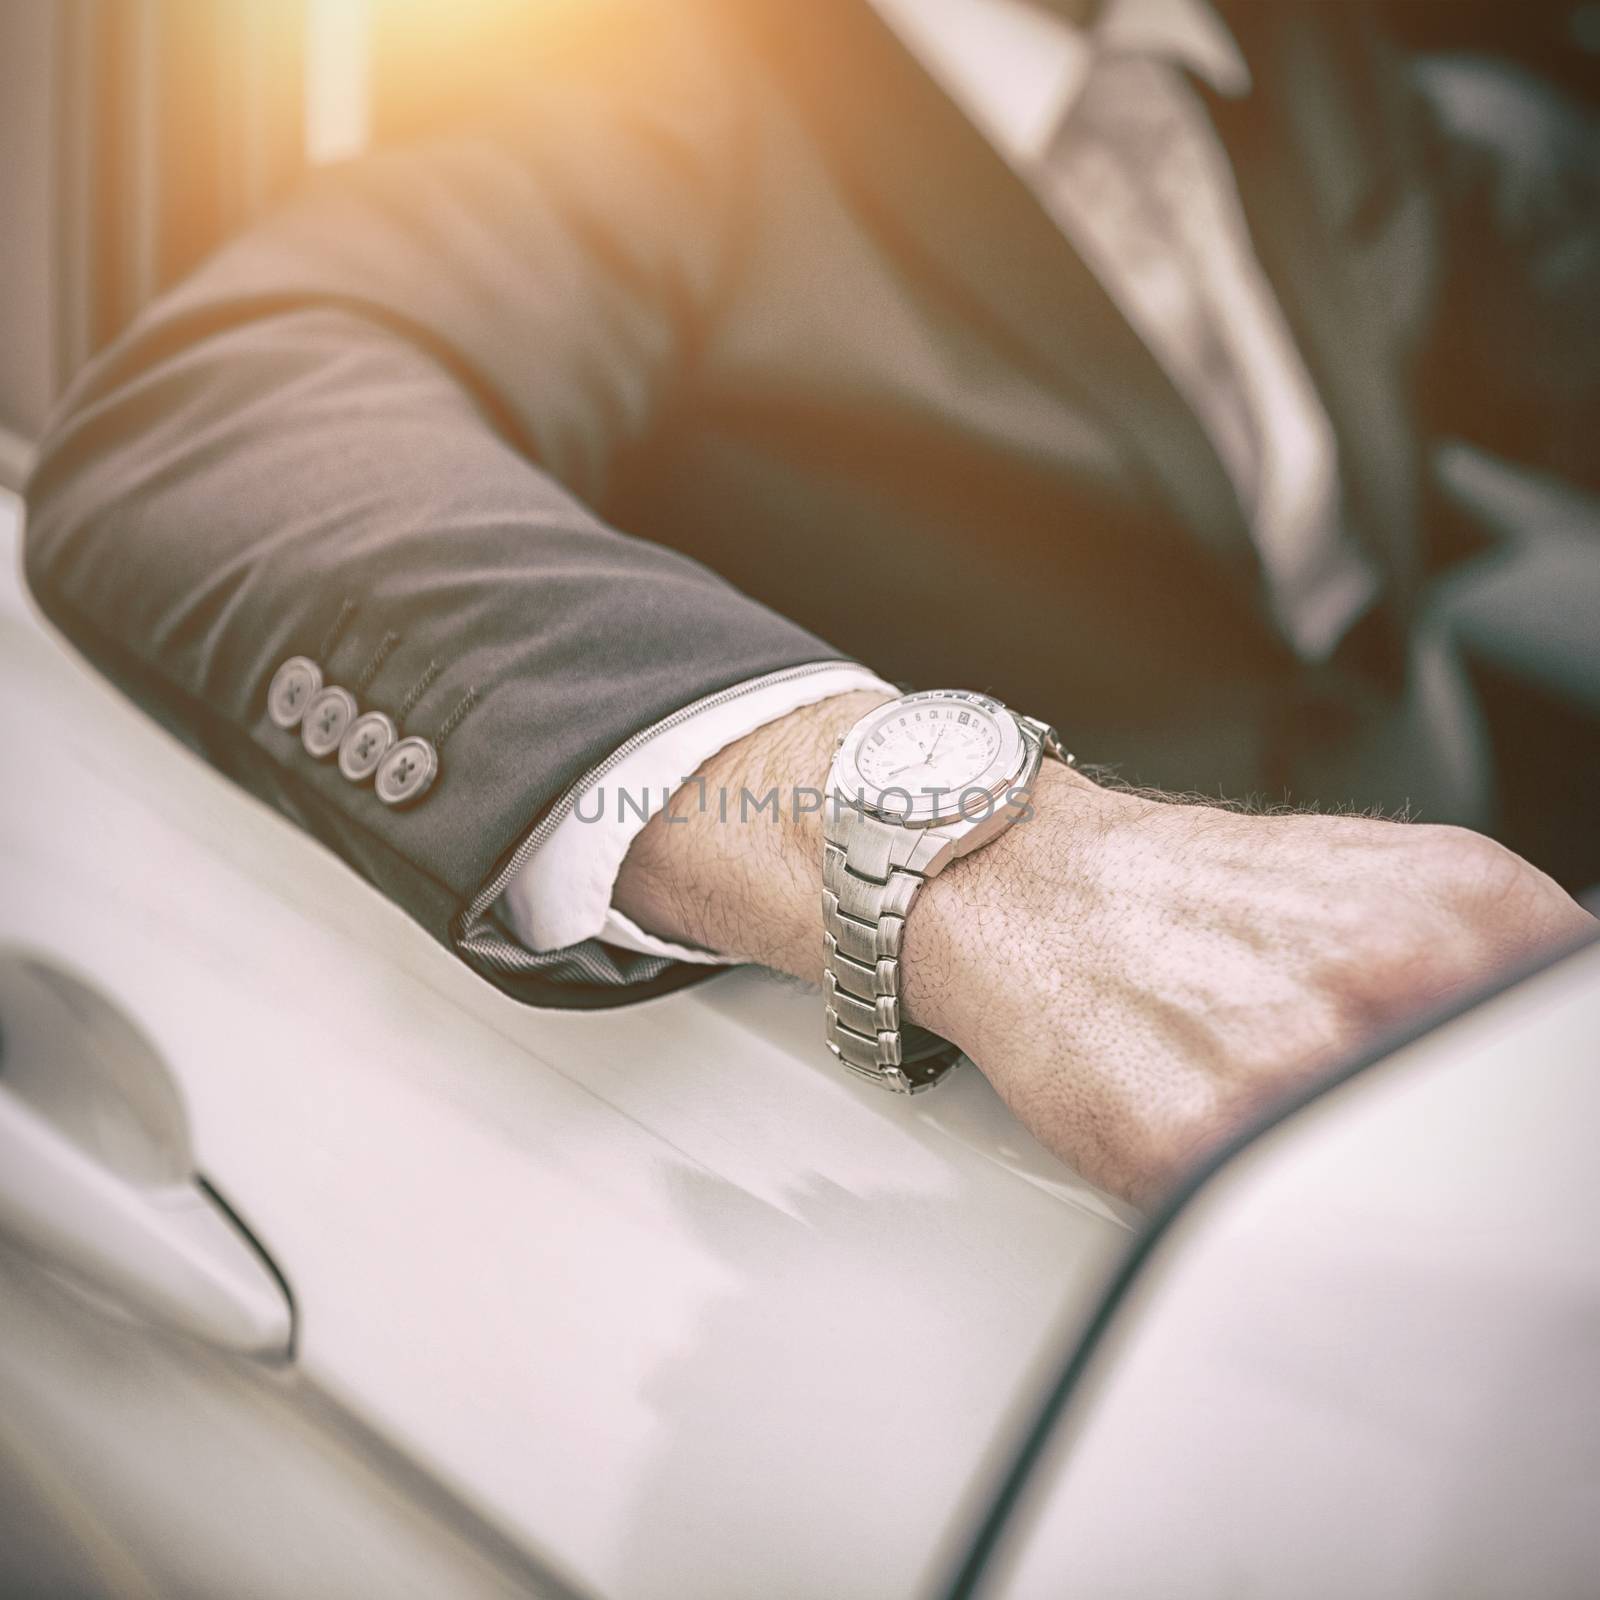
column 735, row 278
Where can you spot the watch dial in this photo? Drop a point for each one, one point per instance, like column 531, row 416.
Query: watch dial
column 941, row 744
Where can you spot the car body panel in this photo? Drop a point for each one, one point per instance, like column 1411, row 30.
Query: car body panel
column 656, row 1292
column 140, row 1465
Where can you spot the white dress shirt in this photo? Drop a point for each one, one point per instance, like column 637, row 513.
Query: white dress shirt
column 1020, row 73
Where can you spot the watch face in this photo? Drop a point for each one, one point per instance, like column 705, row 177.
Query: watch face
column 920, row 755
column 929, row 747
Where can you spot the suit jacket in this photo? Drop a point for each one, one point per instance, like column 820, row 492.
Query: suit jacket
column 733, row 337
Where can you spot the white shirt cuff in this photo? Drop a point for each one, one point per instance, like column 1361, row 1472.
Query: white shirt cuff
column 562, row 894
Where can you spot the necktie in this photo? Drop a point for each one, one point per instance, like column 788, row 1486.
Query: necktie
column 1139, row 181
column 1124, row 144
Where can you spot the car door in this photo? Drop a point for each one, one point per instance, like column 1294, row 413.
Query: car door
column 646, row 1302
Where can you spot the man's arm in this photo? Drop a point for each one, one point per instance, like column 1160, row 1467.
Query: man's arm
column 1137, row 978
column 373, row 432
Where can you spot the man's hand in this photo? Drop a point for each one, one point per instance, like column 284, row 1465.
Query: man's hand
column 1136, row 978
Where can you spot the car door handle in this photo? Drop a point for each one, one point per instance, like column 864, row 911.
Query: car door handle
column 96, row 1178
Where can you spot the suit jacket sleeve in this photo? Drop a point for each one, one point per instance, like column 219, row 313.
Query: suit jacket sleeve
column 1514, row 362
column 377, row 427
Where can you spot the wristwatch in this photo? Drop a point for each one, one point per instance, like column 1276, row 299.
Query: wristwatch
column 915, row 784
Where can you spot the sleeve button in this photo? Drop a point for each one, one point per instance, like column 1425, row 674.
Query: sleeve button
column 294, row 685
column 331, row 711
column 366, row 741
column 407, row 772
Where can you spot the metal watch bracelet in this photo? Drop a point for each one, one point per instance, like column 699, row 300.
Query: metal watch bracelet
column 872, row 872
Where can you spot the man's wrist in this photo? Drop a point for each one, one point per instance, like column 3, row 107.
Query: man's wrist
column 728, row 868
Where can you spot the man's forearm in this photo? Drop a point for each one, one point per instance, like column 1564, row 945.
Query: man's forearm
column 715, row 871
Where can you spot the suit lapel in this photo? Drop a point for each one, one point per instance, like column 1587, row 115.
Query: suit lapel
column 964, row 225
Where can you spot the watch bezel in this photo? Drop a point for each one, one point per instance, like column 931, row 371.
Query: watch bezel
column 926, row 810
